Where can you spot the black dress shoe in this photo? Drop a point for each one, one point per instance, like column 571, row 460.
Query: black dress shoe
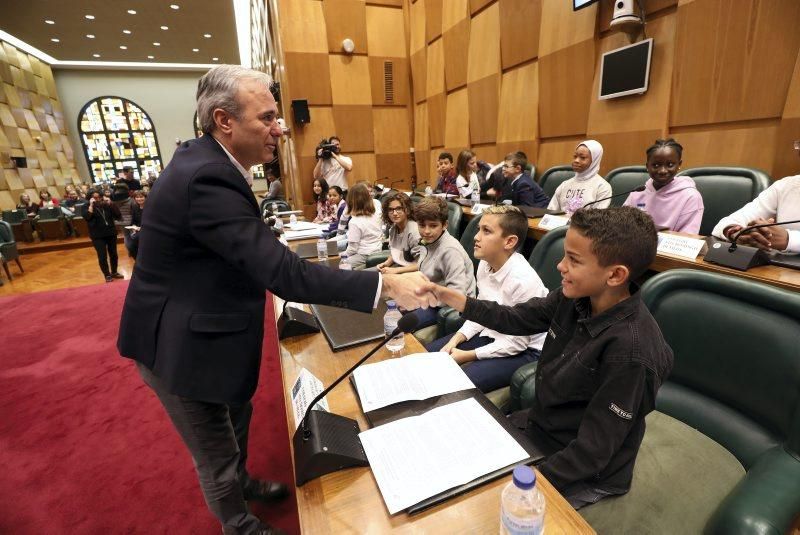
column 265, row 491
column 117, row 276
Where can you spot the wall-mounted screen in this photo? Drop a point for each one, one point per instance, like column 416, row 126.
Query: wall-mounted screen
column 579, row 4
column 626, row 70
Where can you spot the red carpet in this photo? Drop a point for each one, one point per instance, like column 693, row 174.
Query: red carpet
column 86, row 447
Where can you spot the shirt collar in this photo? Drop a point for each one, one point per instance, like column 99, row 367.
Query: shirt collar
column 248, row 176
column 597, row 324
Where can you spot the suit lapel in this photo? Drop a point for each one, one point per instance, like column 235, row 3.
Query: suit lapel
column 212, row 144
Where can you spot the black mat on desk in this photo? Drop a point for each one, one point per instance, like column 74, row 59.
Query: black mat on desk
column 791, row 261
column 309, row 250
column 533, row 211
column 536, row 451
column 345, row 328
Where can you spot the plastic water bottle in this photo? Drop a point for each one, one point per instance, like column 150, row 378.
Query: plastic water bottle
column 293, row 219
column 278, row 223
column 344, row 263
column 428, row 191
column 322, row 250
column 476, row 196
column 522, row 505
column 274, row 208
column 390, row 319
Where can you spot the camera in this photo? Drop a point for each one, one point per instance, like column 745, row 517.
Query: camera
column 328, row 149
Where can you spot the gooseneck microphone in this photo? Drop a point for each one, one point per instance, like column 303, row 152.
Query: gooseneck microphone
column 751, row 228
column 640, row 188
column 325, row 442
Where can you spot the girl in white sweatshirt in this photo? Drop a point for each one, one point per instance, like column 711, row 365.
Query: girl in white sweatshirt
column 587, row 185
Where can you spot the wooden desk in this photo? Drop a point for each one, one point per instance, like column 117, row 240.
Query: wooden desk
column 788, row 279
column 349, row 501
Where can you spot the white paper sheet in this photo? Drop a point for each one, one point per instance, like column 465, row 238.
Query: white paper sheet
column 302, row 234
column 418, row 457
column 304, row 225
column 417, row 376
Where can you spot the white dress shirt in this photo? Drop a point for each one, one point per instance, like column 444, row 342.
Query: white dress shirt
column 515, row 282
column 780, row 201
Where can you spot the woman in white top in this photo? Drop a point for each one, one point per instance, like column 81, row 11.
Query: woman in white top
column 466, row 167
column 404, row 247
column 587, row 185
column 364, row 235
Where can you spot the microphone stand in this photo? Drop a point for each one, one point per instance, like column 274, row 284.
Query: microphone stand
column 741, row 257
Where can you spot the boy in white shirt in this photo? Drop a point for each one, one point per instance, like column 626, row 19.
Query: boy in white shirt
column 504, row 276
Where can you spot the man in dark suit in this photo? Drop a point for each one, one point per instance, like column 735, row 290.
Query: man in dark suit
column 194, row 313
column 518, row 185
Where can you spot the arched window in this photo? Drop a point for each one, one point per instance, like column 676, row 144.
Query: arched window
column 116, row 133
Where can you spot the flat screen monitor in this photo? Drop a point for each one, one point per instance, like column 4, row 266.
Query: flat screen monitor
column 626, row 70
column 580, row 4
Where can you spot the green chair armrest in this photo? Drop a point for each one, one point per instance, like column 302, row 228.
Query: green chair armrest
column 765, row 502
column 522, row 393
column 376, row 258
column 449, row 321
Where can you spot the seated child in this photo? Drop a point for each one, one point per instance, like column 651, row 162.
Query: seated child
column 586, row 186
column 364, row 235
column 325, row 210
column 671, row 201
column 442, row 259
column 488, row 357
column 604, row 357
column 339, row 219
column 404, row 247
column 447, row 174
column 467, row 179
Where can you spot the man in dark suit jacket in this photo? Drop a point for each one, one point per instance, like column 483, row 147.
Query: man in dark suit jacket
column 194, row 313
column 519, row 187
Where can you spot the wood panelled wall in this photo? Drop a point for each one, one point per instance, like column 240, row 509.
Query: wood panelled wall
column 31, row 126
column 346, row 93
column 504, row 75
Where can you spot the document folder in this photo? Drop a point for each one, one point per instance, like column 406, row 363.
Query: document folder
column 345, row 328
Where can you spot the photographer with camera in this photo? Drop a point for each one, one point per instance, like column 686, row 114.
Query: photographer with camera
column 331, row 165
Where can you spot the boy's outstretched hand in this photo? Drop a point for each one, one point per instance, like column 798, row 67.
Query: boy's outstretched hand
column 447, row 296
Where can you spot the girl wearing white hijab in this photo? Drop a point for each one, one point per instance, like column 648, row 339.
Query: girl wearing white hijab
column 586, row 186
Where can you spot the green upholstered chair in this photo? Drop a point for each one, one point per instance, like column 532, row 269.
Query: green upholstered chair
column 282, row 206
column 624, row 179
column 546, row 255
column 454, row 216
column 725, row 190
column 51, row 224
column 721, row 454
column 8, row 247
column 553, row 177
column 20, row 224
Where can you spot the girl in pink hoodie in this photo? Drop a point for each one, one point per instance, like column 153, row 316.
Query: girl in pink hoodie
column 672, row 201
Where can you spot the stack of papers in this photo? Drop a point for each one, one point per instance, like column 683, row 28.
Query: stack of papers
column 421, row 456
column 417, row 376
column 302, row 230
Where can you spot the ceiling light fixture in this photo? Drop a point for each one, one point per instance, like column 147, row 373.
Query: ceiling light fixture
column 126, row 32
column 90, row 36
column 132, row 11
column 175, row 6
column 123, row 47
column 215, row 59
column 165, row 27
column 48, row 21
column 207, row 35
column 156, row 44
column 55, row 40
column 90, row 17
column 96, row 55
column 151, row 57
column 195, row 50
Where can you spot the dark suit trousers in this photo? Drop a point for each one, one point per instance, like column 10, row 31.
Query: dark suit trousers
column 216, row 435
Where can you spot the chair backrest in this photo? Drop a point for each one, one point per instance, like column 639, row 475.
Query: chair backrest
column 736, row 376
column 468, row 239
column 725, row 190
column 47, row 214
column 454, row 215
column 546, row 255
column 282, row 206
column 6, row 233
column 14, row 216
column 553, row 177
column 624, row 179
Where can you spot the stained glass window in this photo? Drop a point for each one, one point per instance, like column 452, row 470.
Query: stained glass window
column 116, row 133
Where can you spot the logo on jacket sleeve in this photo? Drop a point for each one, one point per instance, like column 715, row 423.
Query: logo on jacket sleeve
column 619, row 412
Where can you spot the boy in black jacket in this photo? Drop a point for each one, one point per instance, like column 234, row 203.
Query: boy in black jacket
column 604, row 357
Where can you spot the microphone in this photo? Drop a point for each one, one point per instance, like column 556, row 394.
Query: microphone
column 640, row 188
column 741, row 257
column 325, row 442
column 393, row 182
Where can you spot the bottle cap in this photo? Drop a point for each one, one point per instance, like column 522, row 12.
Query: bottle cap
column 391, row 304
column 524, row 477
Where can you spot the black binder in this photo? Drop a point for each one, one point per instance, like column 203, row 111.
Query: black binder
column 534, row 212
column 309, row 250
column 345, row 328
column 791, row 261
column 536, row 451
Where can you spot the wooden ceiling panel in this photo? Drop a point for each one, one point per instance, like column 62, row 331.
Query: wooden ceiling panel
column 435, row 74
column 456, row 41
column 436, row 119
column 753, row 146
column 421, row 134
column 417, row 30
column 419, row 69
column 561, row 27
column 363, row 168
column 453, row 12
column 354, row 127
column 456, row 128
column 308, row 76
column 484, row 100
column 518, row 47
column 433, row 19
column 391, row 126
column 394, row 167
column 565, row 90
column 350, row 79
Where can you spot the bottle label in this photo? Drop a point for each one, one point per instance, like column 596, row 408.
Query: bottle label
column 517, row 525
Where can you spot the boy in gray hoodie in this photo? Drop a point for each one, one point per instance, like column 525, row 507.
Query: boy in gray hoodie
column 442, row 258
